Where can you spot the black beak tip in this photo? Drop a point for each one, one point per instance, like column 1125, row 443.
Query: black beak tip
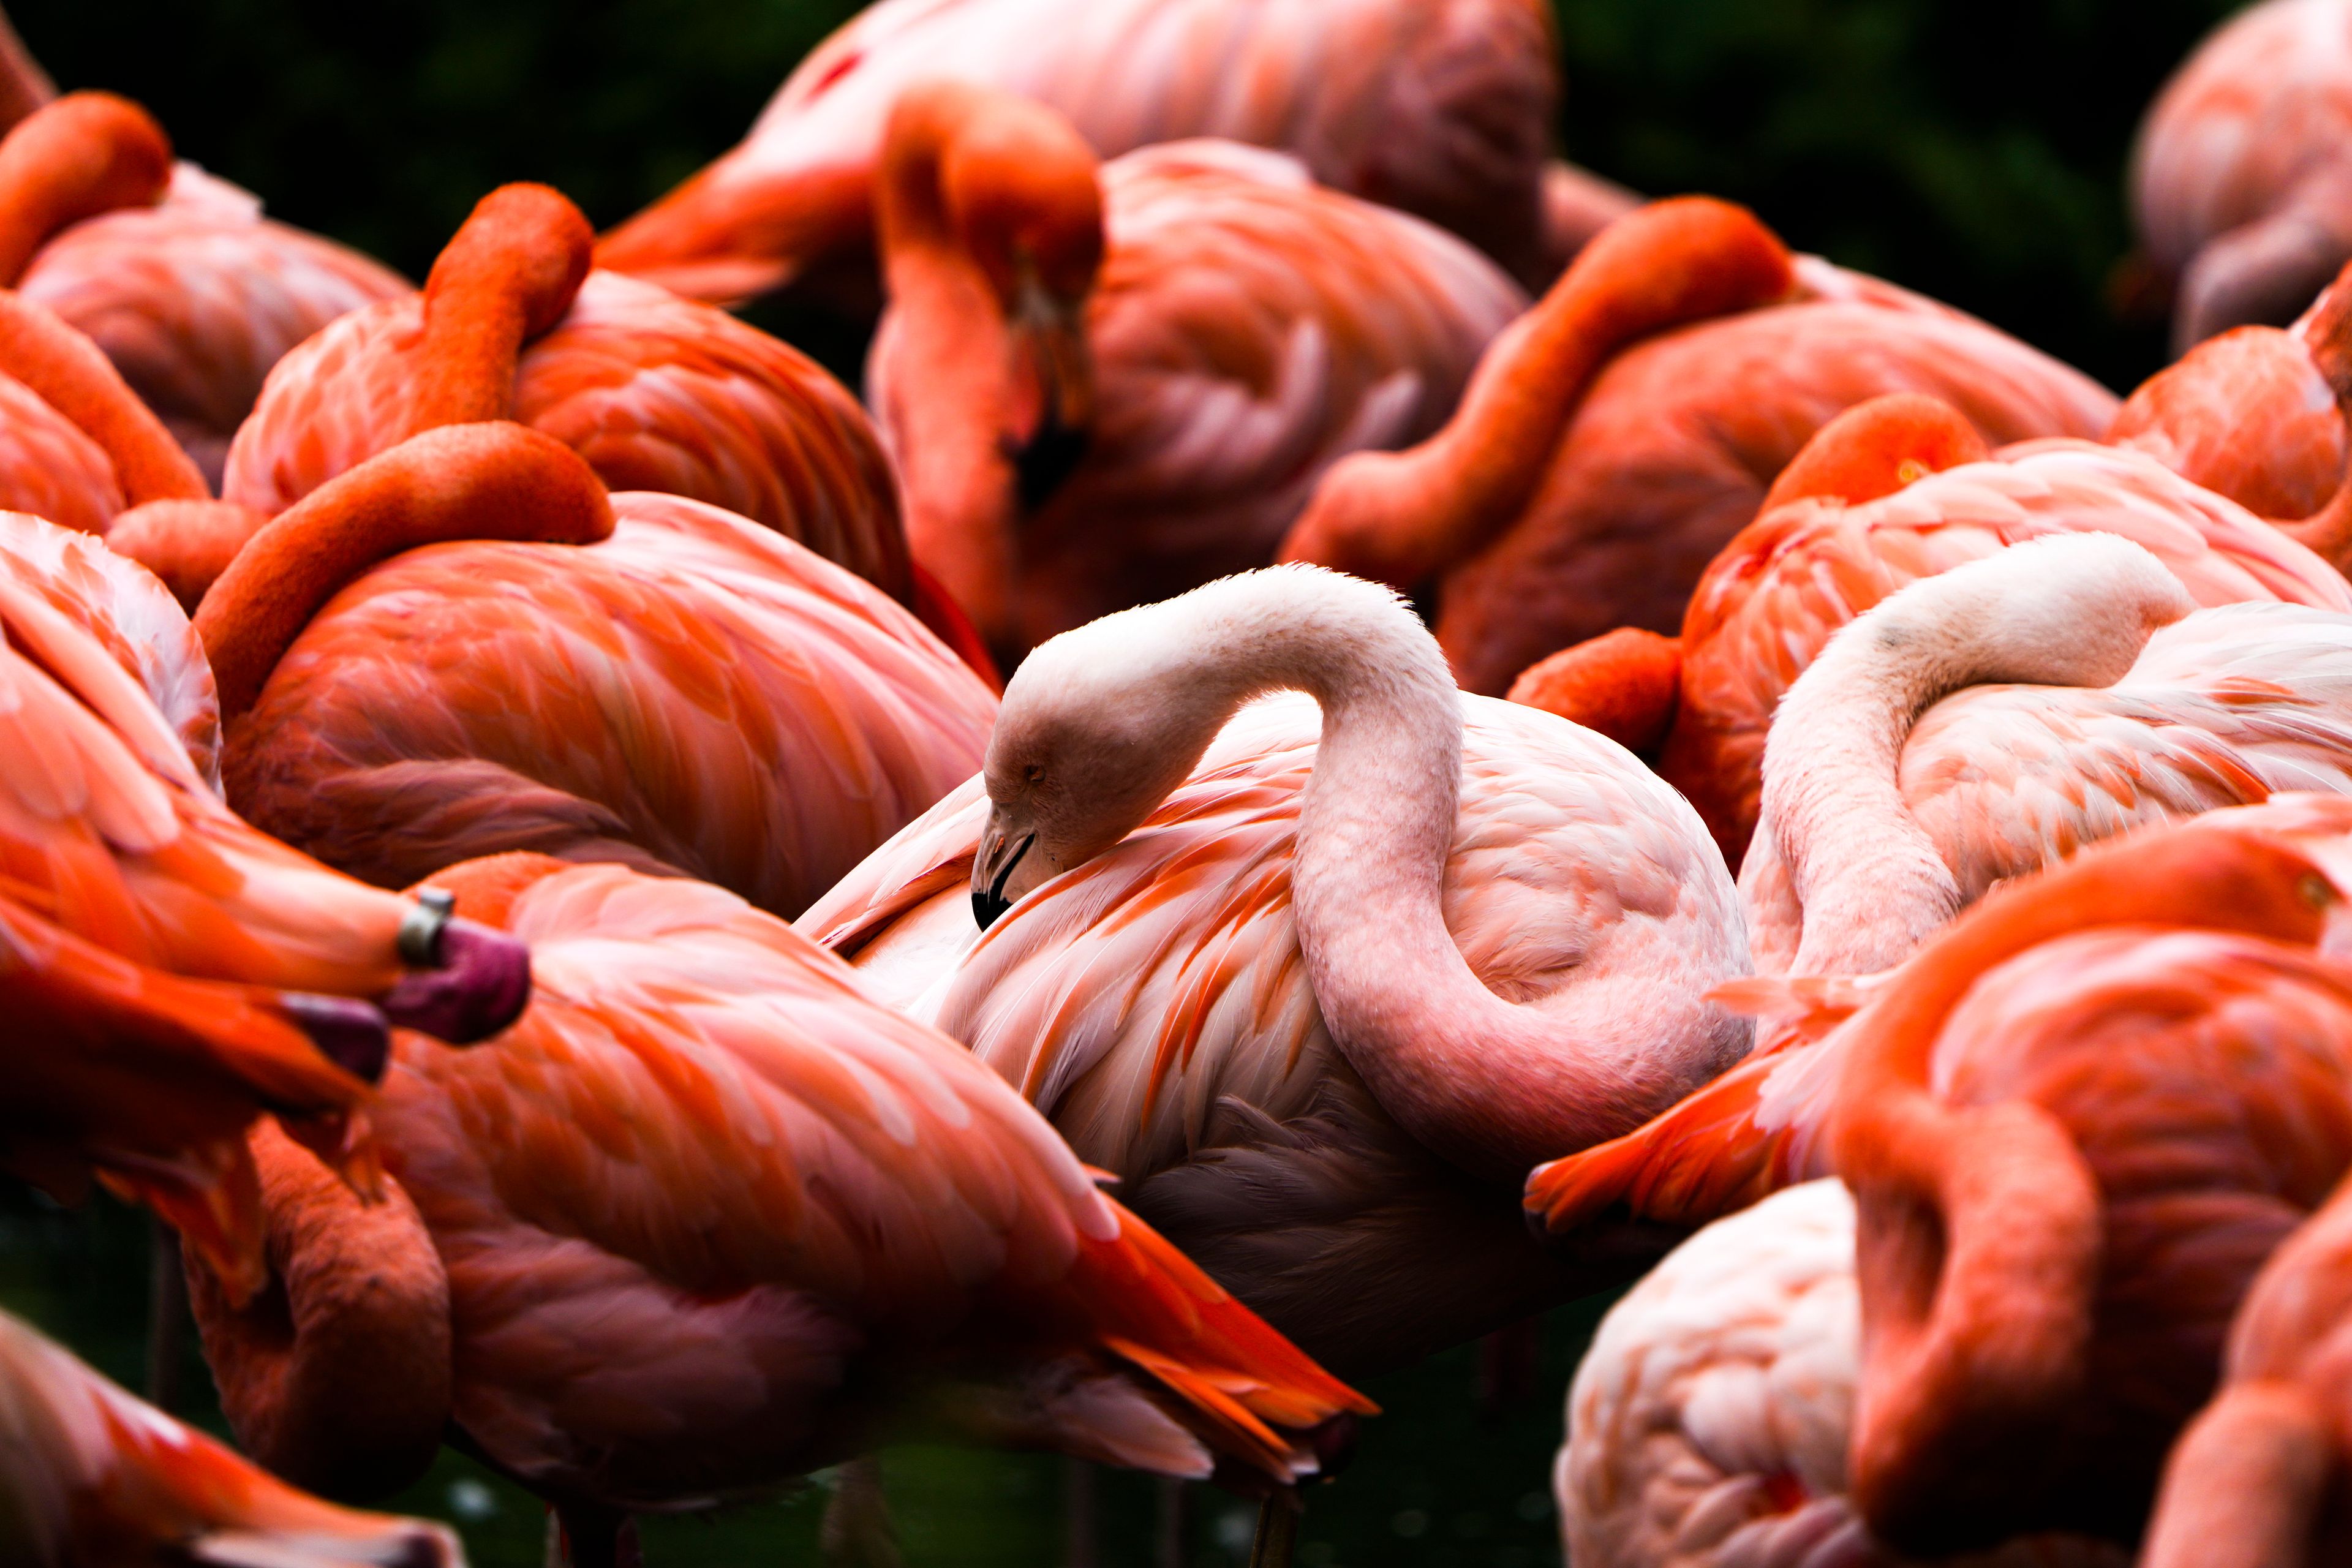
column 986, row 906
column 348, row 1033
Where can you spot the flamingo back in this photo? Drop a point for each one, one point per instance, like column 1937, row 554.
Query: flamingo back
column 1785, row 585
column 1676, row 441
column 696, row 694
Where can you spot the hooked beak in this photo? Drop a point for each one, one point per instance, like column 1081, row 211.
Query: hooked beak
column 1000, row 854
column 469, row 982
column 1054, row 333
column 349, row 1033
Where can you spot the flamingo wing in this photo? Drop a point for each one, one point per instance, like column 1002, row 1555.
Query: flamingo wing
column 696, row 693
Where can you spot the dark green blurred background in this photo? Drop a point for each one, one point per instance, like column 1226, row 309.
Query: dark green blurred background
column 1971, row 148
column 1974, row 151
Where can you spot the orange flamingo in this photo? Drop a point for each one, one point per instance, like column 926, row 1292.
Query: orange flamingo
column 173, row 274
column 92, row 1475
column 2250, row 413
column 709, row 1217
column 1940, row 803
column 646, row 678
column 2249, row 1483
column 2240, row 181
column 169, row 956
column 1106, row 386
column 1317, row 1004
column 2074, row 1129
column 1852, row 520
column 1708, row 1420
column 1442, row 108
column 657, row 394
column 1611, row 443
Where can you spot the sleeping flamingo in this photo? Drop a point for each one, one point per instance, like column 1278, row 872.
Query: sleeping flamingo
column 2239, row 179
column 2074, row 1129
column 1442, row 108
column 1900, row 788
column 463, row 647
column 1892, row 490
column 709, row 1217
column 2250, row 1484
column 174, row 974
column 1707, row 1423
column 1624, row 431
column 1317, row 1006
column 1106, row 386
column 90, row 1475
column 175, row 275
column 657, row 393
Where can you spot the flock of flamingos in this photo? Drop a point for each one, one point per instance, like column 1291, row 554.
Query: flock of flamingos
column 794, row 1037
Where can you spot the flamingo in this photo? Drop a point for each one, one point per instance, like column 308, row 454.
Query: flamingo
column 2250, row 413
column 707, row 1218
column 1317, row 1006
column 175, row 973
column 1892, row 490
column 2239, row 177
column 657, row 393
column 1441, row 108
column 2074, row 1129
column 1619, row 435
column 1707, row 1422
column 92, row 1475
column 175, row 275
column 644, row 678
column 1892, row 815
column 1107, row 385
column 2248, row 1484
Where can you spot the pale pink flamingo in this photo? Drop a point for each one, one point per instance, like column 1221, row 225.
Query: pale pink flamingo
column 1624, row 430
column 1318, row 1005
column 1442, row 108
column 1708, row 1420
column 1901, row 787
column 1104, row 384
column 709, row 1217
column 90, row 1475
column 2239, row 179
column 463, row 645
column 1861, row 511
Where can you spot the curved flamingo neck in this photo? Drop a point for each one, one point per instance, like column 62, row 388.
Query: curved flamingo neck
column 508, row 276
column 991, row 223
column 338, row 1377
column 73, row 375
column 1402, row 517
column 1870, row 883
column 1491, row 1085
column 25, row 87
column 462, row 482
column 87, row 154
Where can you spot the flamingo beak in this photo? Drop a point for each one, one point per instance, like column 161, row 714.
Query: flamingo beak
column 349, row 1033
column 1000, row 855
column 469, row 982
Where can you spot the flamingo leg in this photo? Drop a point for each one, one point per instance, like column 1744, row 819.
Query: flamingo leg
column 167, row 1315
column 1278, row 1529
column 1169, row 1539
column 855, row 1532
